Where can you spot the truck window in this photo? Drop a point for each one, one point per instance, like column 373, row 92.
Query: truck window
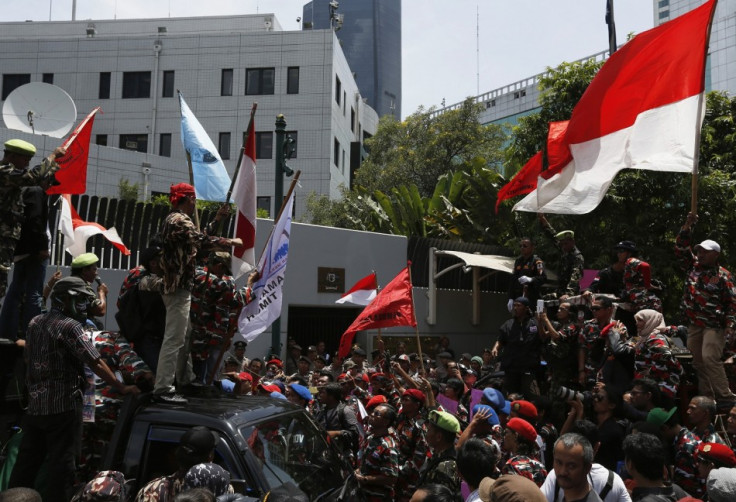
column 293, row 451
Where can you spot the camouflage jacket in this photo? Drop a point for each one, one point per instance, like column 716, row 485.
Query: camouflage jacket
column 637, row 281
column 654, row 359
column 441, row 469
column 686, row 467
column 525, row 466
column 413, row 451
column 709, row 297
column 12, row 180
column 571, row 266
column 379, row 457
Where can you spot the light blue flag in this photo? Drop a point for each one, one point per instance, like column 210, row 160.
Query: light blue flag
column 211, row 180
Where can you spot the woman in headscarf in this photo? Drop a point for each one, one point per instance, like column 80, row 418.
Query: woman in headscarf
column 654, row 357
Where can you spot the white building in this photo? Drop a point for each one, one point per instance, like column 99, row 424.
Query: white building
column 222, row 65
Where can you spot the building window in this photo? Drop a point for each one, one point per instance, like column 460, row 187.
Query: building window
column 338, row 89
column 344, row 101
column 292, row 80
column 11, row 81
column 164, row 144
column 135, row 142
column 259, row 81
column 226, row 82
column 352, row 119
column 291, row 146
column 136, row 84
column 47, row 78
column 664, row 3
column 664, row 14
column 343, row 162
column 101, row 139
column 264, row 202
column 336, row 153
column 104, row 85
column 264, row 145
column 168, row 85
column 223, row 145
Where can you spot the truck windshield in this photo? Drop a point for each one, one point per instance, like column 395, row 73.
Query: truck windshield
column 294, row 454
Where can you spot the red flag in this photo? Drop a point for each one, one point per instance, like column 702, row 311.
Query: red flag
column 363, row 292
column 244, row 196
column 393, row 306
column 558, row 152
column 643, row 110
column 72, row 174
column 524, row 181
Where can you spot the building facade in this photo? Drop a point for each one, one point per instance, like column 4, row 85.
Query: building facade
column 370, row 35
column 221, row 65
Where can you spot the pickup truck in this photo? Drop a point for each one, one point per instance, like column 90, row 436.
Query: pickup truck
column 268, row 445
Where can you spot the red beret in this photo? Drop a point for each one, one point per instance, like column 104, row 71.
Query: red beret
column 276, row 362
column 522, row 428
column 415, row 394
column 375, row 376
column 365, row 377
column 375, row 401
column 525, row 409
column 717, row 453
column 179, row 191
column 244, row 375
column 270, row 388
column 343, row 376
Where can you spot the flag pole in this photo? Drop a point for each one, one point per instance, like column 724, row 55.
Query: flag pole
column 191, row 180
column 58, row 251
column 699, row 122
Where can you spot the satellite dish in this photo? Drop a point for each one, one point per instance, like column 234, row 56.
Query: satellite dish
column 40, row 108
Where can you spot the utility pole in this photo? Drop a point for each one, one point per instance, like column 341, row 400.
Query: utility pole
column 278, row 189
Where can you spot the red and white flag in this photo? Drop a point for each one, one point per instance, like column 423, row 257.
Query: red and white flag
column 393, row 306
column 76, row 231
column 72, row 173
column 643, row 110
column 244, row 196
column 524, row 181
column 363, row 292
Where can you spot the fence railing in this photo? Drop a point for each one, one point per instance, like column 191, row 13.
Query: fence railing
column 135, row 222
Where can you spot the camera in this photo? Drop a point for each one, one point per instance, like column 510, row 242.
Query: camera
column 567, row 394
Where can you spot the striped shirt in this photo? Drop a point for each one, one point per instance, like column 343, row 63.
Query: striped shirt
column 57, row 349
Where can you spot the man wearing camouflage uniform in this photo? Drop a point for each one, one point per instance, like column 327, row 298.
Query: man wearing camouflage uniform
column 441, row 468
column 413, row 450
column 13, row 176
column 571, row 262
column 378, row 460
column 709, row 303
column 528, row 275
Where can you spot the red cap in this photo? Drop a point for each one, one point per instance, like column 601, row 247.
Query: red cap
column 343, row 376
column 415, row 394
column 378, row 375
column 524, row 409
column 522, row 428
column 276, row 362
column 716, row 453
column 375, row 401
column 365, row 377
column 244, row 375
column 270, row 388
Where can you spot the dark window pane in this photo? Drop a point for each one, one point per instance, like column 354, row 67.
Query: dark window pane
column 264, row 202
column 164, row 145
column 223, row 145
column 168, row 85
column 226, row 84
column 136, row 84
column 336, row 153
column 292, row 80
column 352, row 119
column 104, row 85
column 264, row 145
column 101, row 139
column 291, row 146
column 136, row 142
column 47, row 78
column 11, row 81
column 259, row 81
column 338, row 89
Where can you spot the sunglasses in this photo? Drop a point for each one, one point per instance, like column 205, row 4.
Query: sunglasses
column 597, row 307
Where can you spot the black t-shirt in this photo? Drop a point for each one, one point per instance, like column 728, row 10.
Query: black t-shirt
column 611, row 435
column 521, row 345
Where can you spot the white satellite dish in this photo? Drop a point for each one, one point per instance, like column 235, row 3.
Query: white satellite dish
column 40, row 108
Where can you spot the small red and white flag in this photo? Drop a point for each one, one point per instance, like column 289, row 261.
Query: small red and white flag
column 244, row 196
column 76, row 231
column 643, row 110
column 363, row 292
column 72, row 173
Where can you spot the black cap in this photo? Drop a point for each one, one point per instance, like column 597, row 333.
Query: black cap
column 305, row 359
column 445, row 355
column 239, row 345
column 196, row 443
column 626, row 246
column 359, row 352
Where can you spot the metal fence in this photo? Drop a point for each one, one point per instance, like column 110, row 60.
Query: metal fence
column 135, row 222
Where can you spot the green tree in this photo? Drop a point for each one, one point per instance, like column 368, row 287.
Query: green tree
column 127, row 191
column 420, row 149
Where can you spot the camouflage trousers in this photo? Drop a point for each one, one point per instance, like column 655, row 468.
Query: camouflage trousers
column 7, row 249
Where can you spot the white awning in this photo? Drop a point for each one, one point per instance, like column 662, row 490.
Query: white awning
column 493, row 262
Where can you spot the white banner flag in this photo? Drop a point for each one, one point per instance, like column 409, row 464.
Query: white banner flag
column 268, row 291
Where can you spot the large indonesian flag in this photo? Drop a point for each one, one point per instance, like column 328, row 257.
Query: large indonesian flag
column 393, row 306
column 76, row 231
column 643, row 110
column 72, row 173
column 244, row 196
column 524, row 181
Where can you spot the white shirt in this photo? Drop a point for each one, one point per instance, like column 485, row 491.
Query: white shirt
column 473, row 497
column 597, row 478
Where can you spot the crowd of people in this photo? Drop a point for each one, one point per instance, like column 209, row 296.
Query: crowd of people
column 585, row 395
